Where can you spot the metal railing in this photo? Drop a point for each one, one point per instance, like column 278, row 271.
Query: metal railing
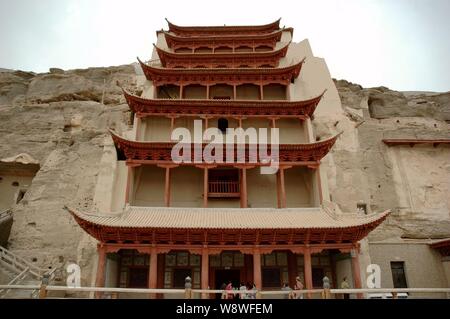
column 24, row 268
column 198, row 293
column 19, row 263
column 5, row 213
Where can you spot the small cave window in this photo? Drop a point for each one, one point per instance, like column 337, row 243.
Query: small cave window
column 222, row 125
column 20, row 196
column 15, row 184
column 361, row 208
column 1, row 179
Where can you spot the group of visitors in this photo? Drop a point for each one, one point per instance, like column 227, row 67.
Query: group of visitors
column 248, row 291
column 245, row 291
column 294, row 294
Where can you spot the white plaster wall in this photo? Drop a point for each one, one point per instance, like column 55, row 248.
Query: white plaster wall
column 149, row 189
column 344, row 269
column 104, row 187
column 187, row 187
column 157, row 129
column 298, row 187
column 446, row 266
column 423, row 266
column 262, row 189
column 120, row 183
column 111, row 272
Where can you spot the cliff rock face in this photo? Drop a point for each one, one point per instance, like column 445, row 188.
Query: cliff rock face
column 58, row 119
column 413, row 182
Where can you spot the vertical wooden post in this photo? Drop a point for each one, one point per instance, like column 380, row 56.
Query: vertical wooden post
column 138, row 127
column 101, row 265
column 257, row 278
column 234, row 92
column 205, row 272
column 356, row 271
column 167, row 188
column 308, row 270
column 273, row 122
column 244, row 188
column 181, row 91
column 207, row 92
column 281, row 188
column 319, row 185
column 261, row 91
column 278, row 189
column 205, row 187
column 129, row 187
column 153, row 271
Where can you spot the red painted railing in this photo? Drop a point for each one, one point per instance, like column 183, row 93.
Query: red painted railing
column 223, row 189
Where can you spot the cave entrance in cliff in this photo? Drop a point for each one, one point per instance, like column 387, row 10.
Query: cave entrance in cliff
column 16, row 176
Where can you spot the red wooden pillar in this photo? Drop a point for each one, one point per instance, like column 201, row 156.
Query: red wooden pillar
column 138, row 127
column 244, row 188
column 257, row 278
column 181, row 91
column 308, row 270
column 234, row 92
column 153, row 271
column 101, row 268
column 205, row 187
column 356, row 271
column 207, row 91
column 130, row 180
column 205, row 272
column 281, row 189
column 261, row 91
column 167, row 188
column 319, row 185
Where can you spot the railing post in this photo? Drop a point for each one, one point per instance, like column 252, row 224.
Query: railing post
column 188, row 288
column 43, row 288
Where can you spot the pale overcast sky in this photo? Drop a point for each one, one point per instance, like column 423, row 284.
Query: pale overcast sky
column 401, row 44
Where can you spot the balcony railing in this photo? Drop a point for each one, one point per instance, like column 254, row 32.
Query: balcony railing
column 219, row 189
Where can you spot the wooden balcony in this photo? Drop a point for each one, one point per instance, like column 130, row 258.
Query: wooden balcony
column 224, row 189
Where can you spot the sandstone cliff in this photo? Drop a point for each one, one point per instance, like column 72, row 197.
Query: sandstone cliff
column 59, row 119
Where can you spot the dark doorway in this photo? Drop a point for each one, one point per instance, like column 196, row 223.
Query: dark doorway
column 271, row 278
column 179, row 277
column 398, row 274
column 317, row 277
column 138, row 278
column 224, row 276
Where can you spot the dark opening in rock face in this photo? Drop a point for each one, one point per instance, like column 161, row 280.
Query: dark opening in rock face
column 373, row 103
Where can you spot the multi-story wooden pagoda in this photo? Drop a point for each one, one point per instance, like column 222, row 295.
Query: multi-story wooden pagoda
column 221, row 222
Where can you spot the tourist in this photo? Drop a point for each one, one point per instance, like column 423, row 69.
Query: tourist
column 229, row 290
column 345, row 285
column 287, row 288
column 242, row 288
column 252, row 294
column 298, row 286
column 223, row 288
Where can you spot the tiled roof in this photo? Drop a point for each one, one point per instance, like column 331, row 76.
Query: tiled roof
column 228, row 218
